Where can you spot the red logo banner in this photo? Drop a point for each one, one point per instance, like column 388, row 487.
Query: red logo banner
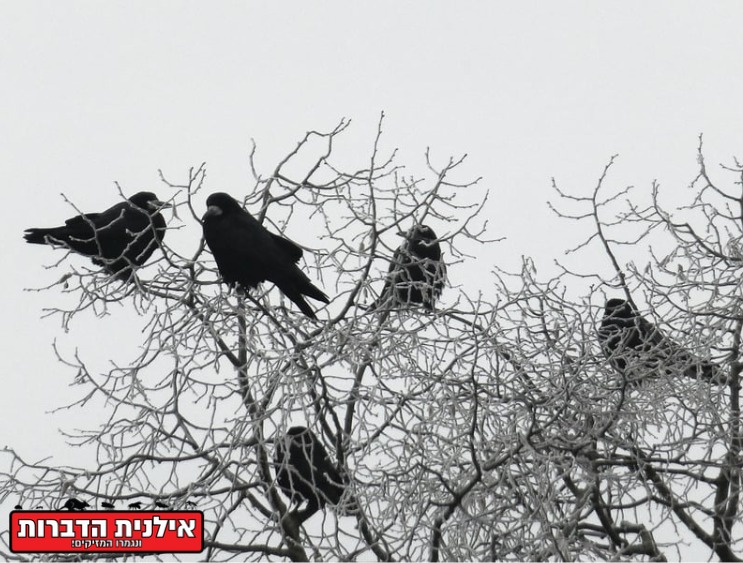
column 130, row 531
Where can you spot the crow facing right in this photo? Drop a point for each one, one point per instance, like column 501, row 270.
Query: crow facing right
column 637, row 349
column 304, row 471
column 120, row 239
column 248, row 254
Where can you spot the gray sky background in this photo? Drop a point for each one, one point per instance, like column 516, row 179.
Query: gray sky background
column 97, row 92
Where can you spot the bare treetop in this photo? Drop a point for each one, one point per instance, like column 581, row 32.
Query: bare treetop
column 412, row 418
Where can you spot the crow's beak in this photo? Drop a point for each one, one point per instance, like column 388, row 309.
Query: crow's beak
column 157, row 204
column 213, row 211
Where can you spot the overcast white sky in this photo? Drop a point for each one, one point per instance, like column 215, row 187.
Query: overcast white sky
column 96, row 92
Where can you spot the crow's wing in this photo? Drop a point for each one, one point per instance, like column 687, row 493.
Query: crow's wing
column 330, row 481
column 246, row 252
column 289, row 247
column 640, row 346
column 84, row 223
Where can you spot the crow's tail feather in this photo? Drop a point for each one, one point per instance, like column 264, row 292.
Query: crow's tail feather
column 313, row 291
column 296, row 297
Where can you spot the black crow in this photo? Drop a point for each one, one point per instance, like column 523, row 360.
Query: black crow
column 248, row 254
column 637, row 349
column 74, row 504
column 304, row 471
column 135, row 505
column 108, row 505
column 120, row 239
column 18, row 507
column 159, row 504
column 416, row 274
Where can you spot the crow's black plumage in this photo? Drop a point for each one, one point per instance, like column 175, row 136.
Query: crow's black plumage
column 120, row 238
column 108, row 505
column 637, row 349
column 248, row 254
column 135, row 505
column 304, row 471
column 416, row 273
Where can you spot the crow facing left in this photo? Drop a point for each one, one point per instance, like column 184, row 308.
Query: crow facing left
column 304, row 471
column 120, row 239
column 248, row 254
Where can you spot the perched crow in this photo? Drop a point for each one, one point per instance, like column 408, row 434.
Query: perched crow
column 74, row 504
column 247, row 254
column 108, row 505
column 637, row 349
column 304, row 471
column 416, row 274
column 159, row 504
column 18, row 507
column 135, row 505
column 120, row 239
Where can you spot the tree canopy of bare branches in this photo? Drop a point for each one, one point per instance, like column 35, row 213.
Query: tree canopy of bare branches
column 491, row 427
